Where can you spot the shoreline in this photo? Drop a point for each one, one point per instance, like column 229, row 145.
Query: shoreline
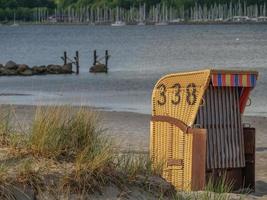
column 96, row 108
column 127, row 124
column 135, row 24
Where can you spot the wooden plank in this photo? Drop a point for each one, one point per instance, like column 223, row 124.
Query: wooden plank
column 216, row 127
column 231, row 109
column 220, row 127
column 227, row 125
column 236, row 133
column 205, row 125
column 241, row 135
column 199, row 160
column 228, row 110
column 213, row 132
column 249, row 170
column 224, row 127
column 233, row 176
column 210, row 131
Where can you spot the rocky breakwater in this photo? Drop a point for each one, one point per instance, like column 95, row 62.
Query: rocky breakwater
column 13, row 69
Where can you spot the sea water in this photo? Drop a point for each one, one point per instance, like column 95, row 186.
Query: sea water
column 140, row 55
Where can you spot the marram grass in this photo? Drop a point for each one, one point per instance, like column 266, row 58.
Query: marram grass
column 66, row 132
column 69, row 144
column 66, row 151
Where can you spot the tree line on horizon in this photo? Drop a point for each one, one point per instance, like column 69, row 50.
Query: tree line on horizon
column 25, row 9
column 14, row 4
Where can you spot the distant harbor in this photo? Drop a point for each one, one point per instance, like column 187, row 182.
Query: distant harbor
column 159, row 14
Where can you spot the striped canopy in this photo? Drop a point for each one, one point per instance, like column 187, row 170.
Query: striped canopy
column 234, row 80
column 245, row 80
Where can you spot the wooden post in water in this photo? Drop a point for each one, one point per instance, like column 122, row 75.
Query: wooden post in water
column 95, row 57
column 106, row 58
column 77, row 62
column 65, row 58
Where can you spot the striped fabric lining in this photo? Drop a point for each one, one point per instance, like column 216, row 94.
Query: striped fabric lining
column 221, row 118
column 234, row 80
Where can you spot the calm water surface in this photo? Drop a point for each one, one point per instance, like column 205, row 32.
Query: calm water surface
column 140, row 56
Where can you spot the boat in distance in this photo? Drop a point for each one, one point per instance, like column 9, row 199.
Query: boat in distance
column 118, row 23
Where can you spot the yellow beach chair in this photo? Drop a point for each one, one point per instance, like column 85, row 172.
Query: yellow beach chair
column 196, row 128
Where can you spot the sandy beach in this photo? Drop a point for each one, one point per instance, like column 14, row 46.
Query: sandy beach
column 131, row 132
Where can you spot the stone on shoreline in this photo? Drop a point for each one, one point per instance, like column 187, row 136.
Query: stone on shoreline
column 99, row 68
column 11, row 69
column 54, row 69
column 7, row 72
column 11, row 65
column 27, row 72
column 39, row 69
column 67, row 69
column 21, row 68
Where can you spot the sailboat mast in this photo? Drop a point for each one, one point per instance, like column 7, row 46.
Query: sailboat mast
column 140, row 13
column 117, row 14
column 144, row 17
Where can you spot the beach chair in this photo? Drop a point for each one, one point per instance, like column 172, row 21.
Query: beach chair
column 197, row 133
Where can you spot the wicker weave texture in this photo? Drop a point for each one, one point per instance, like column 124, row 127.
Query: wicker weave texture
column 178, row 96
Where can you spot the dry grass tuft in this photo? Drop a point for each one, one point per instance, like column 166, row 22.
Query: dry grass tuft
column 65, row 135
column 5, row 128
column 64, row 132
column 133, row 164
